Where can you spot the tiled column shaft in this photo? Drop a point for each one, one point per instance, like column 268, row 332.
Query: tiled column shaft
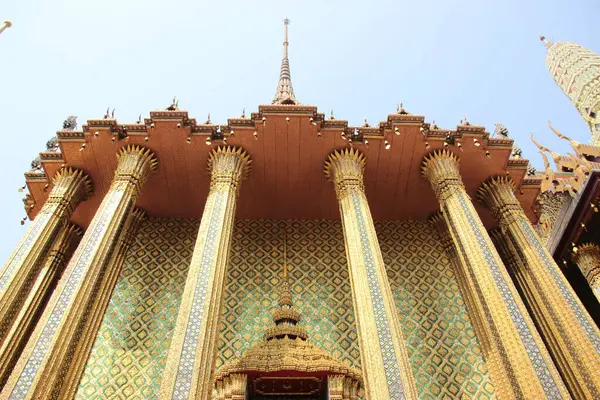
column 34, row 304
column 47, row 358
column 575, row 339
column 192, row 353
column 97, row 310
column 517, row 269
column 20, row 271
column 587, row 259
column 465, row 285
column 521, row 366
column 384, row 358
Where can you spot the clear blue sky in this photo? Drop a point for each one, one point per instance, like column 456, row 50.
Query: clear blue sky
column 444, row 59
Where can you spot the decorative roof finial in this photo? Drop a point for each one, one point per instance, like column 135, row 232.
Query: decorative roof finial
column 547, row 43
column 174, row 106
column 400, row 109
column 285, row 91
column 6, row 24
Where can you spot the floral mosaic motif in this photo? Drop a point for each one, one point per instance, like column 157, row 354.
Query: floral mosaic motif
column 83, row 257
column 567, row 294
column 130, row 352
column 185, row 371
column 386, row 345
column 533, row 351
column 445, row 356
column 318, row 279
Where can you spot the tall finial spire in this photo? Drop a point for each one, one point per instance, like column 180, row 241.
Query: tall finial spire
column 8, row 24
column 285, row 91
column 547, row 43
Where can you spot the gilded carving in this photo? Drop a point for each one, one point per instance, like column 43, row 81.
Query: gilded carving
column 70, row 187
column 41, row 290
column 587, row 258
column 384, row 356
column 575, row 339
column 519, row 363
column 45, row 368
column 192, row 355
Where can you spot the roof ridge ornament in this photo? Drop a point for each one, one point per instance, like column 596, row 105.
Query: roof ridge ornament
column 285, row 92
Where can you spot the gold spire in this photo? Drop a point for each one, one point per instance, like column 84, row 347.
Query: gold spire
column 547, row 43
column 285, row 91
column 286, row 317
column 6, row 24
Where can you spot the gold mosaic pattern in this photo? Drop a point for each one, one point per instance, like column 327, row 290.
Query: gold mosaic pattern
column 446, row 359
column 318, row 280
column 130, row 352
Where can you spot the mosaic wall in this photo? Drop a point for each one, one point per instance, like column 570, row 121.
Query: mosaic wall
column 318, row 278
column 130, row 352
column 445, row 356
column 129, row 355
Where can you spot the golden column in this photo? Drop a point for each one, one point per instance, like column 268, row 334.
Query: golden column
column 102, row 298
column 191, row 360
column 587, row 259
column 575, row 339
column 48, row 357
column 384, row 358
column 71, row 187
column 465, row 284
column 33, row 305
column 519, row 364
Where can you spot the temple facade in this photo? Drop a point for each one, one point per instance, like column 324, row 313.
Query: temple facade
column 286, row 255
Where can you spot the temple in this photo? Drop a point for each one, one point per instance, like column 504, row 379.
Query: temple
column 287, row 255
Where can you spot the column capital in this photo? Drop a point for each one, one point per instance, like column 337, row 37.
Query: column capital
column 70, row 187
column 134, row 166
column 441, row 169
column 587, row 257
column 345, row 169
column 497, row 194
column 228, row 166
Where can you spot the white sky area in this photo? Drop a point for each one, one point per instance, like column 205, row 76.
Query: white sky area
column 443, row 59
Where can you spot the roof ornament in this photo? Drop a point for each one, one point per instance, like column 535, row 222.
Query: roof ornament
column 547, row 43
column 243, row 113
column 52, row 144
column 285, row 347
column 174, row 105
column 6, row 24
column 501, row 131
column 400, row 109
column 36, row 164
column 108, row 114
column 584, row 150
column 331, row 117
column 208, row 121
column 70, row 124
column 285, row 92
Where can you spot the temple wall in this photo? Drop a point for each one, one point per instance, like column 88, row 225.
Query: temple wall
column 129, row 355
column 130, row 352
